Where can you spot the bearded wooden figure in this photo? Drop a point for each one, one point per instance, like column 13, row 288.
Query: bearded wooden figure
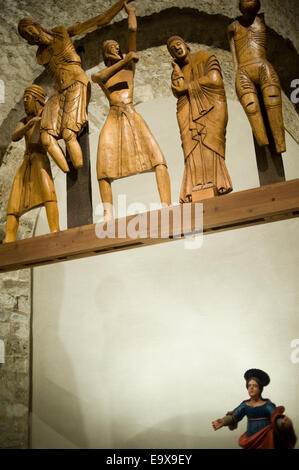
column 126, row 146
column 202, row 117
column 65, row 113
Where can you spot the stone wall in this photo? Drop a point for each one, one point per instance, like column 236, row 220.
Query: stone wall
column 152, row 81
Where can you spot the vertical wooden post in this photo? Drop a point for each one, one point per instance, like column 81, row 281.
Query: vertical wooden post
column 269, row 162
column 79, row 197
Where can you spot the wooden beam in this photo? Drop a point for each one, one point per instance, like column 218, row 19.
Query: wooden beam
column 78, row 182
column 235, row 210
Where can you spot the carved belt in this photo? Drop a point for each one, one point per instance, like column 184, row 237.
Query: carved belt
column 258, row 419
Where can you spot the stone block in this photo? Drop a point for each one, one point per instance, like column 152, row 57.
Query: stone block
column 16, row 411
column 23, row 304
column 20, row 330
column 5, row 315
column 7, row 301
column 18, row 317
column 17, row 346
column 4, row 329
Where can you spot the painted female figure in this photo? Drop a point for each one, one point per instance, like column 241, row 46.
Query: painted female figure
column 126, row 145
column 267, row 427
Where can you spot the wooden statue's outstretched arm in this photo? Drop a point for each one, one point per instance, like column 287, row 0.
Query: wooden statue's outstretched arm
column 132, row 26
column 230, row 34
column 99, row 21
column 22, row 128
column 107, row 73
column 19, row 132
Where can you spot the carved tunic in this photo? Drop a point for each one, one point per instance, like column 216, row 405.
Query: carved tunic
column 126, row 145
column 66, row 107
column 33, row 184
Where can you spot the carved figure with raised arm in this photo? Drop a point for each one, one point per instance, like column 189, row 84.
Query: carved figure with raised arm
column 126, row 145
column 65, row 113
column 202, row 118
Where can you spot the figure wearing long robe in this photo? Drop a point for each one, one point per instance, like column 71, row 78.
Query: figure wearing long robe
column 202, row 118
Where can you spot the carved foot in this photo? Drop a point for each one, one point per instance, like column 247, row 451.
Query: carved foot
column 108, row 216
column 206, row 192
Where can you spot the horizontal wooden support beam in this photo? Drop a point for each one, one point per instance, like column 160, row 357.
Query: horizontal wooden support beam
column 236, row 210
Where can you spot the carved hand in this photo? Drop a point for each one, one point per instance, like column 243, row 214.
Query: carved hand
column 127, row 7
column 33, row 121
column 175, row 65
column 95, row 77
column 180, row 90
column 131, row 56
column 287, row 423
column 218, row 424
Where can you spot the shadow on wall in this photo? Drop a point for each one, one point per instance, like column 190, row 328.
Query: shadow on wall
column 154, row 30
column 161, row 435
column 58, row 408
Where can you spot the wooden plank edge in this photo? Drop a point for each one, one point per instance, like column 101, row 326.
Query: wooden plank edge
column 135, row 243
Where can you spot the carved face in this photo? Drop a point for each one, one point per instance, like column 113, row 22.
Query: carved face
column 249, row 6
column 178, row 49
column 112, row 52
column 29, row 104
column 253, row 389
column 35, row 35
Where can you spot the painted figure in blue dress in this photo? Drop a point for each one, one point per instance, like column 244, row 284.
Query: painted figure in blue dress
column 267, row 427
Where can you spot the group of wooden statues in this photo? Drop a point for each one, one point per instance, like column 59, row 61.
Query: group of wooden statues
column 126, row 145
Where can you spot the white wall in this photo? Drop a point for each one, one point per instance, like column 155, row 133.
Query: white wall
column 144, row 348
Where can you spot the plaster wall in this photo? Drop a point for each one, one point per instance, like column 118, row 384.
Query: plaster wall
column 144, row 348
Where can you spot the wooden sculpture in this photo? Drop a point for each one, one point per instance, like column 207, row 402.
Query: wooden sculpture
column 267, row 426
column 65, row 112
column 33, row 184
column 202, row 118
column 126, row 145
column 247, row 37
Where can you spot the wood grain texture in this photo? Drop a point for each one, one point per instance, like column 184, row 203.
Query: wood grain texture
column 236, row 210
column 248, row 43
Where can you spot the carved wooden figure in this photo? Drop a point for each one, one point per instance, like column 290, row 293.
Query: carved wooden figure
column 126, row 145
column 202, row 118
column 33, row 184
column 247, row 37
column 65, row 113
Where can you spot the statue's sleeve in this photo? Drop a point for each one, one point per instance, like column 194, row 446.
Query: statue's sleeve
column 237, row 414
column 212, row 64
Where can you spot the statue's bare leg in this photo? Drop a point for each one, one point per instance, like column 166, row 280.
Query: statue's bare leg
column 52, row 215
column 52, row 147
column 107, row 200
column 73, row 147
column 273, row 104
column 253, row 111
column 248, row 97
column 12, row 224
column 163, row 183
